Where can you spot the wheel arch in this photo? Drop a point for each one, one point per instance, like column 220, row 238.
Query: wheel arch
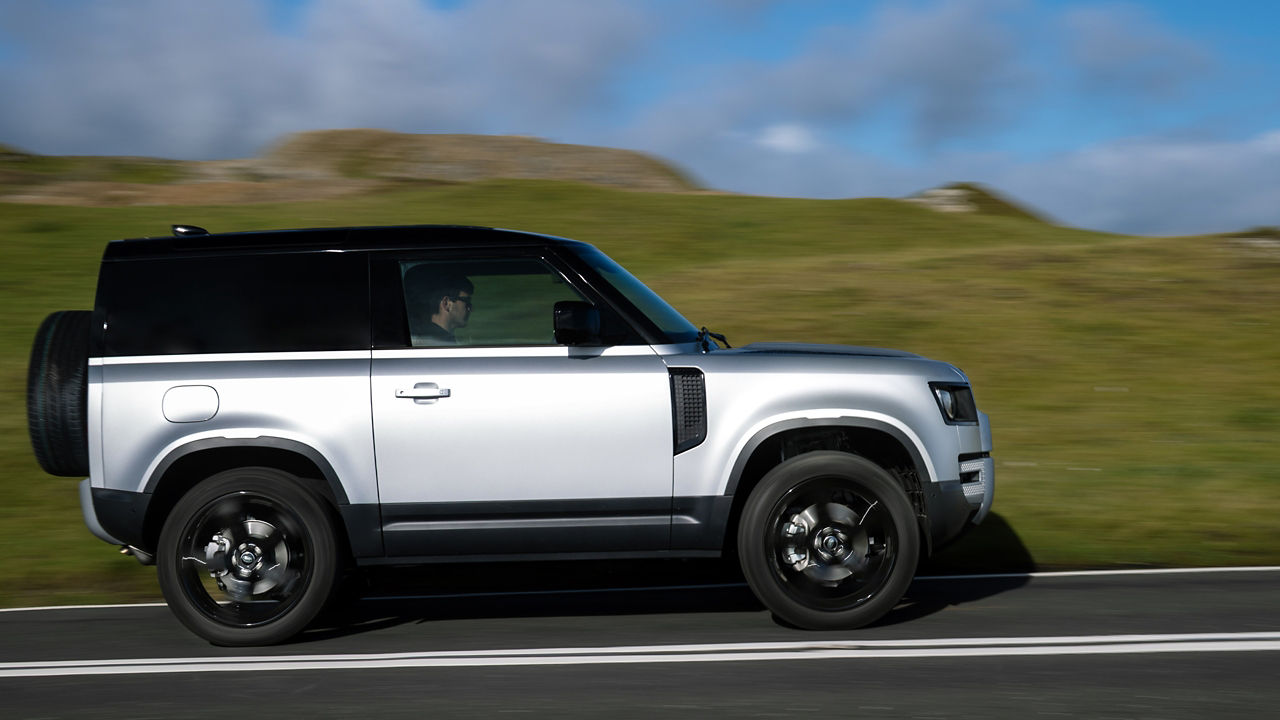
column 184, row 467
column 878, row 441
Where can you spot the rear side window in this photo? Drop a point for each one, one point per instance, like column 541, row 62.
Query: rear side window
column 247, row 303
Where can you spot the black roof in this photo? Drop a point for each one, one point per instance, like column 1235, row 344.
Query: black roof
column 348, row 239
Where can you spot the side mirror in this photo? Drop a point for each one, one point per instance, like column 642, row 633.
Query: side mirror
column 577, row 323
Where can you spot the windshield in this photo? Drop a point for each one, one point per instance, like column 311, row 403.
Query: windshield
column 671, row 323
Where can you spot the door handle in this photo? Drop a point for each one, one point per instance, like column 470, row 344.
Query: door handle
column 424, row 391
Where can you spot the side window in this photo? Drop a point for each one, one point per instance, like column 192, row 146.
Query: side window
column 227, row 304
column 481, row 301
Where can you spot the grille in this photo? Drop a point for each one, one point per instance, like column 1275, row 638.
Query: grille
column 689, row 403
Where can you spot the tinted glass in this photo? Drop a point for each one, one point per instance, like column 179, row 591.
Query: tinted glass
column 481, row 301
column 671, row 323
column 247, row 303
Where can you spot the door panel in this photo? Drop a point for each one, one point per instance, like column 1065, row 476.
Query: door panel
column 569, row 449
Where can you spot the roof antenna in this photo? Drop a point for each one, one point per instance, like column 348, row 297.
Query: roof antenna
column 188, row 230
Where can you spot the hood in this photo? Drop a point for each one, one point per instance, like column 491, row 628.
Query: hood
column 779, row 348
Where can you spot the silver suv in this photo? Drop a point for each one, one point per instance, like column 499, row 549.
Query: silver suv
column 255, row 411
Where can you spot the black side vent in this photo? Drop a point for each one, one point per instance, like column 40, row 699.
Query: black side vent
column 689, row 404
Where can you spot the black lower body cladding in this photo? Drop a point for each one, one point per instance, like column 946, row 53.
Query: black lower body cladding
column 57, row 393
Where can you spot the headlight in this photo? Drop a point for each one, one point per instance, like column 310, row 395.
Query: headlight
column 947, row 401
column 955, row 402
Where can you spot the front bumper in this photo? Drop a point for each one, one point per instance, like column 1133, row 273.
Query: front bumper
column 978, row 472
column 978, row 481
column 954, row 506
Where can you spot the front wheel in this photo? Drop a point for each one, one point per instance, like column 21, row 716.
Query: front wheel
column 828, row 540
column 248, row 557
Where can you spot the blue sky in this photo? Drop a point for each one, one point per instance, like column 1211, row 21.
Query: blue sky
column 1146, row 117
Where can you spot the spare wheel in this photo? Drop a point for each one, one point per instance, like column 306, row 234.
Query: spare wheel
column 57, row 393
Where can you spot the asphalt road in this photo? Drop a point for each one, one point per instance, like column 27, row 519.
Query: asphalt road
column 687, row 641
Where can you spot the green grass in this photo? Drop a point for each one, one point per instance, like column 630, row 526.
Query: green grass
column 1131, row 382
column 43, row 168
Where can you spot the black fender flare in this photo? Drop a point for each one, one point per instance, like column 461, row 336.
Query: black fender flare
column 740, row 462
column 849, row 421
column 264, row 441
column 362, row 521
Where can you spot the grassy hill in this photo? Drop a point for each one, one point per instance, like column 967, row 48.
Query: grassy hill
column 325, row 164
column 1131, row 382
column 466, row 158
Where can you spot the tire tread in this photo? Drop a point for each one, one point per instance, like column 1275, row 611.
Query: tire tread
column 57, row 393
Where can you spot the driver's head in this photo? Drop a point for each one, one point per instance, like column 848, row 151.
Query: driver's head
column 446, row 296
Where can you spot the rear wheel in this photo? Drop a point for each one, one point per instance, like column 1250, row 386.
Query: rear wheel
column 248, row 557
column 828, row 540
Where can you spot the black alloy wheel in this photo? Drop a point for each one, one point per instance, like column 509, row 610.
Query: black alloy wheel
column 248, row 557
column 828, row 540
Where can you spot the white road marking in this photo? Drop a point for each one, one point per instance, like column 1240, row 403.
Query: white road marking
column 930, row 578
column 82, row 607
column 722, row 652
column 1104, row 573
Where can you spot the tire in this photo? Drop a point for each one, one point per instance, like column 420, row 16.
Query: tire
column 247, row 557
column 57, row 393
column 828, row 541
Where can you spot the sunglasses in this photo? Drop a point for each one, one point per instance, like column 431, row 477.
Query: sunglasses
column 466, row 300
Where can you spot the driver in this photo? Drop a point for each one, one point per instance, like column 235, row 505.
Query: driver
column 446, row 296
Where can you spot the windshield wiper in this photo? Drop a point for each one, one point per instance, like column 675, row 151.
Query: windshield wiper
column 705, row 336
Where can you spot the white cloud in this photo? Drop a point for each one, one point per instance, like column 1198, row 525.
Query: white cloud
column 1146, row 187
column 146, row 78
column 1270, row 142
column 198, row 79
column 962, row 70
column 193, row 79
column 1160, row 187
column 949, row 69
column 787, row 138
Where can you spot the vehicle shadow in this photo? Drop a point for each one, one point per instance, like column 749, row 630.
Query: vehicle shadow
column 388, row 597
column 991, row 554
column 992, row 547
